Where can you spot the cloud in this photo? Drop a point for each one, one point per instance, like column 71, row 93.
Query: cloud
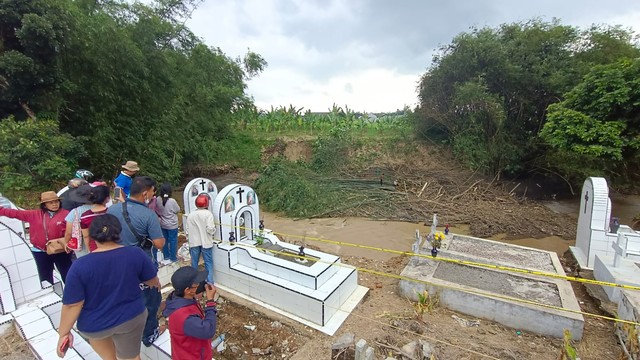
column 368, row 54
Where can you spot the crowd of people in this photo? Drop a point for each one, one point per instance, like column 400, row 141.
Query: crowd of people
column 106, row 245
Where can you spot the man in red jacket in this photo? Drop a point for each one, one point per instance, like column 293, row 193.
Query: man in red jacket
column 191, row 327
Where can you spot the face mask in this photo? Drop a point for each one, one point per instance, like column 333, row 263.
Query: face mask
column 146, row 201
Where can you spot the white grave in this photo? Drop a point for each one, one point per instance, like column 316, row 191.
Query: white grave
column 592, row 235
column 318, row 291
column 621, row 268
column 196, row 187
column 613, row 256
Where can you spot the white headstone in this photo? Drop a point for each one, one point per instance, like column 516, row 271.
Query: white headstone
column 196, row 187
column 593, row 221
column 236, row 209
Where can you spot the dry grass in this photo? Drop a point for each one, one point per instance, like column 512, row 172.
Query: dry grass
column 12, row 347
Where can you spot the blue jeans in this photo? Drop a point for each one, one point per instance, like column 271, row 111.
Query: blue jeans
column 207, row 256
column 170, row 249
column 152, row 299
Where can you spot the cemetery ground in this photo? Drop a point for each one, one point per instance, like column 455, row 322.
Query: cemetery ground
column 430, row 181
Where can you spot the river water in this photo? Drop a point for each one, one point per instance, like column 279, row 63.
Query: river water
column 328, row 234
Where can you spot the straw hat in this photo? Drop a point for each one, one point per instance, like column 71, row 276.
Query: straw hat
column 48, row 196
column 131, row 166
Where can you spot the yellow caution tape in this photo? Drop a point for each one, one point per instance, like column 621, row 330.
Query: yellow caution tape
column 475, row 292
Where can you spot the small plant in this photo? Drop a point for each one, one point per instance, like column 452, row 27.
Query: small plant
column 568, row 351
column 426, row 302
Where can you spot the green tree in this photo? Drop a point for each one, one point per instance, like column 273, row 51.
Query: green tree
column 596, row 129
column 33, row 35
column 34, row 153
column 488, row 91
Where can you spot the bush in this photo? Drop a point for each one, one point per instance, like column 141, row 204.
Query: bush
column 36, row 153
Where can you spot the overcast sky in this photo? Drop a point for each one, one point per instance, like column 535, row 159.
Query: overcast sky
column 367, row 54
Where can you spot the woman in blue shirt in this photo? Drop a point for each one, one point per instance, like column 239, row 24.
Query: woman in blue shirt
column 103, row 294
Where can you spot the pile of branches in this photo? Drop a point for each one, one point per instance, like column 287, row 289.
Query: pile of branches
column 411, row 193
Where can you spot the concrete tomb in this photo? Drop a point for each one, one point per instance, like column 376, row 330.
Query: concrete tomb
column 493, row 294
column 252, row 262
column 610, row 249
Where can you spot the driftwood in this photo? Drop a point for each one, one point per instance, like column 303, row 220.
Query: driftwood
column 469, row 188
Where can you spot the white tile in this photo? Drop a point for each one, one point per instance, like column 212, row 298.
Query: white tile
column 31, row 286
column 30, row 317
column 8, row 302
column 5, row 284
column 16, row 240
column 55, row 319
column 164, row 337
column 7, row 257
column 5, row 318
column 150, row 351
column 45, row 343
column 12, row 270
column 48, row 300
column 18, row 294
column 82, row 347
column 92, row 356
column 166, row 346
column 36, row 328
column 22, row 253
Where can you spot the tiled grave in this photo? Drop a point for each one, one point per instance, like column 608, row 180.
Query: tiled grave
column 484, row 292
column 252, row 262
column 608, row 248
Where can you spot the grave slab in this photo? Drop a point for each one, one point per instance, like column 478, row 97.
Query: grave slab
column 492, row 294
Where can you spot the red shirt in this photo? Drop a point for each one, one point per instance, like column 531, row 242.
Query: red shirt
column 39, row 222
column 85, row 221
column 184, row 347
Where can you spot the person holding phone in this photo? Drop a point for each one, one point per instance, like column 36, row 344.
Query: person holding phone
column 103, row 294
column 191, row 327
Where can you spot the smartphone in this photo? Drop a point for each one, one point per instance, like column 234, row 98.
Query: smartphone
column 117, row 193
column 65, row 345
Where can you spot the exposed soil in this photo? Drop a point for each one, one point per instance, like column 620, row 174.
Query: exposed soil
column 428, row 181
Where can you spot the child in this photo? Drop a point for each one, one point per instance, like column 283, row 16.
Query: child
column 191, row 328
column 200, row 229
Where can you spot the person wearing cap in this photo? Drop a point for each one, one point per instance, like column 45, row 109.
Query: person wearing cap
column 45, row 224
column 191, row 327
column 124, row 180
column 103, row 294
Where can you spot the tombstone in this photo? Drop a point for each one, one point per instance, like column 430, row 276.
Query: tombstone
column 236, row 210
column 196, row 187
column 306, row 285
column 592, row 235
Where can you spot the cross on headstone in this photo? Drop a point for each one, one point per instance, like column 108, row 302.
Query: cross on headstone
column 239, row 192
column 202, row 182
column 586, row 200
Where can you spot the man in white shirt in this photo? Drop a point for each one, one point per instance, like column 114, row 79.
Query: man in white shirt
column 200, row 229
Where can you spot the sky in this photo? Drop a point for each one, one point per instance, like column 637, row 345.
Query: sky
column 367, row 54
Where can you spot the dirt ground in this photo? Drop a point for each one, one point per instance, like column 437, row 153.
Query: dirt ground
column 429, row 181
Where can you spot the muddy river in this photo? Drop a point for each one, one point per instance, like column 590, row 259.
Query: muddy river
column 398, row 235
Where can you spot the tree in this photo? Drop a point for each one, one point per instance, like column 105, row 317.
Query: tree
column 488, row 91
column 33, row 34
column 597, row 126
column 35, row 152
